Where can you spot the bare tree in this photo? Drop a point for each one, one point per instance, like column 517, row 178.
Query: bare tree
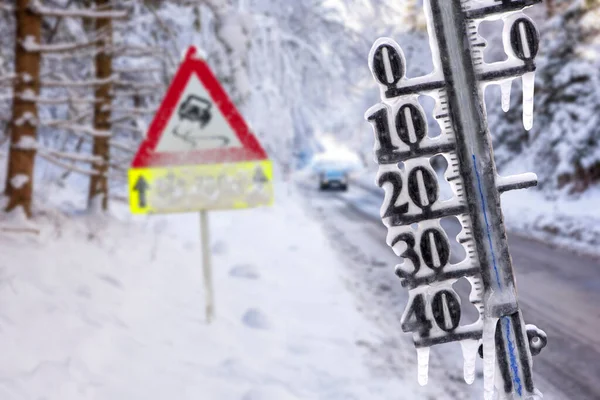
column 19, row 184
column 98, row 190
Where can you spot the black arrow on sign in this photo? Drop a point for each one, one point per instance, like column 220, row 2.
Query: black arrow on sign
column 141, row 186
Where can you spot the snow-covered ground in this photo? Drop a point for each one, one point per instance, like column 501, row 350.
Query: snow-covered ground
column 112, row 307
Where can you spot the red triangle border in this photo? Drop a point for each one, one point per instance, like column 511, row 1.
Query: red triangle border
column 251, row 149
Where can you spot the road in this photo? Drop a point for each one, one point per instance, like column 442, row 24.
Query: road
column 558, row 291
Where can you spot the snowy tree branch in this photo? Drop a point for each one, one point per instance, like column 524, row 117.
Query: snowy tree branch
column 30, row 45
column 128, row 128
column 136, row 92
column 128, row 147
column 7, row 7
column 135, row 111
column 70, row 156
column 73, row 127
column 70, row 167
column 29, row 96
column 136, row 70
column 37, row 7
column 64, row 83
column 7, row 79
column 139, row 86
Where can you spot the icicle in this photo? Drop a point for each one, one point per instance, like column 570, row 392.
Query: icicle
column 470, row 348
column 489, row 357
column 537, row 395
column 505, row 88
column 423, row 360
column 528, row 87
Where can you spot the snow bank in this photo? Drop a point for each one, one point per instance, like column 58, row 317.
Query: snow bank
column 569, row 222
column 112, row 308
column 573, row 223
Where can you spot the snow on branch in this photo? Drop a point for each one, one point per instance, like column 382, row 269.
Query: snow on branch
column 66, row 83
column 120, row 166
column 232, row 30
column 30, row 45
column 29, row 95
column 128, row 147
column 83, row 53
column 26, row 143
column 122, row 118
column 70, row 167
column 136, row 51
column 29, row 143
column 128, row 128
column 70, row 156
column 136, row 70
column 7, row 79
column 27, row 118
column 69, row 126
column 38, row 8
column 135, row 111
column 7, row 7
column 325, row 64
column 133, row 47
column 139, row 86
column 135, row 92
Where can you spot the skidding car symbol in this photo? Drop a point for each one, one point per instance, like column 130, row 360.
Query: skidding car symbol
column 195, row 109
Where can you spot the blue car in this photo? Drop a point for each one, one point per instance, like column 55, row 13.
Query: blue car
column 332, row 175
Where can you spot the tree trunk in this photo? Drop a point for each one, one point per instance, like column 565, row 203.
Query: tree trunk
column 550, row 8
column 98, row 190
column 19, row 183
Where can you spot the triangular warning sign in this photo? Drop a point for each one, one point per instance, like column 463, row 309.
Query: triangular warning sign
column 197, row 123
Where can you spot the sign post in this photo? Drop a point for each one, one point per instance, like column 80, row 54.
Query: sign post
column 206, row 266
column 199, row 155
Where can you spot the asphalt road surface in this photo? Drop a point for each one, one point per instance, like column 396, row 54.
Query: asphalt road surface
column 559, row 291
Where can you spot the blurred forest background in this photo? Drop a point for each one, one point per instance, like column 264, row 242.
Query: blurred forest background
column 81, row 79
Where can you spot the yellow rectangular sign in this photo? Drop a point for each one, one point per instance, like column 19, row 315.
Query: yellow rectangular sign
column 201, row 187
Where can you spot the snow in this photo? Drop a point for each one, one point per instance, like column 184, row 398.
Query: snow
column 19, row 180
column 504, row 183
column 112, row 308
column 335, row 153
column 27, row 117
column 27, row 142
column 37, row 6
column 571, row 222
column 28, row 94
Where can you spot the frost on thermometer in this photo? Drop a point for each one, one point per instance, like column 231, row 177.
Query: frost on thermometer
column 412, row 208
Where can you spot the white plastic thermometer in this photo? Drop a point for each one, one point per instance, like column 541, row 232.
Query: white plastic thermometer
column 412, row 208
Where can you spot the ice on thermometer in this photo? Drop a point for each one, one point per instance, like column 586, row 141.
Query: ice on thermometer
column 413, row 208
